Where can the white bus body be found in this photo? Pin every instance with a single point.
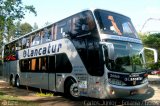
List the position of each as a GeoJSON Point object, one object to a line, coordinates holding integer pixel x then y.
{"type": "Point", "coordinates": [92, 53]}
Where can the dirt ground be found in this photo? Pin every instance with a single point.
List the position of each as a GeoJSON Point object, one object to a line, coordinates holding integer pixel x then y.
{"type": "Point", "coordinates": [151, 98]}
{"type": "Point", "coordinates": [31, 96]}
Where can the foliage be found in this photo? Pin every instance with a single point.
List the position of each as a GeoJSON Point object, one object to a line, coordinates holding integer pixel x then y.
{"type": "Point", "coordinates": [11, 10]}
{"type": "Point", "coordinates": [22, 29]}
{"type": "Point", "coordinates": [152, 41]}
{"type": "Point", "coordinates": [25, 28]}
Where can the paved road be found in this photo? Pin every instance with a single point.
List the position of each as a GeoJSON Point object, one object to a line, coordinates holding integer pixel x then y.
{"type": "Point", "coordinates": [152, 98]}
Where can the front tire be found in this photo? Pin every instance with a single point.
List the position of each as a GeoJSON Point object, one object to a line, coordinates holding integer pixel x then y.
{"type": "Point", "coordinates": [72, 90]}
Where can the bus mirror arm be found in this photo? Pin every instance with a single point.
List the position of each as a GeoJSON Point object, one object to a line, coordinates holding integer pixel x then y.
{"type": "Point", "coordinates": [110, 49]}
{"type": "Point", "coordinates": [154, 51]}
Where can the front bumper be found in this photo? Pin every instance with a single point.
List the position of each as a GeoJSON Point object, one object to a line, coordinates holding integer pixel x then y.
{"type": "Point", "coordinates": [114, 91]}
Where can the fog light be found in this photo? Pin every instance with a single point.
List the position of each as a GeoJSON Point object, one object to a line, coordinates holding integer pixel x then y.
{"type": "Point", "coordinates": [133, 92]}
{"type": "Point", "coordinates": [112, 92]}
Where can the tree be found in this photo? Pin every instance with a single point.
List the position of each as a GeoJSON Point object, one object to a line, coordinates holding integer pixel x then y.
{"type": "Point", "coordinates": [25, 28]}
{"type": "Point", "coordinates": [11, 10]}
{"type": "Point", "coordinates": [22, 29]}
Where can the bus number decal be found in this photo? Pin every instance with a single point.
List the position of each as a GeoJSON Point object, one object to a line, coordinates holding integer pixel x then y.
{"type": "Point", "coordinates": [83, 84]}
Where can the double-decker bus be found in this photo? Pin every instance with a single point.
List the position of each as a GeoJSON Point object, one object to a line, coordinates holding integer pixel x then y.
{"type": "Point", "coordinates": [94, 53]}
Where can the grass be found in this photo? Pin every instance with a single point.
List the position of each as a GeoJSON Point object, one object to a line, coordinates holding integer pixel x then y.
{"type": "Point", "coordinates": [44, 94]}
{"type": "Point", "coordinates": [6, 100]}
{"type": "Point", "coordinates": [41, 94]}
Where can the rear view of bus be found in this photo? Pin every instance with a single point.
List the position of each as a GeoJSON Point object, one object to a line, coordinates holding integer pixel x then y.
{"type": "Point", "coordinates": [123, 52]}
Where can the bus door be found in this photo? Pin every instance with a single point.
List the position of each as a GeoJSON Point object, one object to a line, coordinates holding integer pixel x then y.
{"type": "Point", "coordinates": [51, 73]}
{"type": "Point", "coordinates": [45, 78]}
{"type": "Point", "coordinates": [38, 77]}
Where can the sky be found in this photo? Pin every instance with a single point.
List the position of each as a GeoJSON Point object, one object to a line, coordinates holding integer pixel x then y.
{"type": "Point", "coordinates": [138, 10]}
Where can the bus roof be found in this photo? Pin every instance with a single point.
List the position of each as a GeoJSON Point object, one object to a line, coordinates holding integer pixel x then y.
{"type": "Point", "coordinates": [34, 31]}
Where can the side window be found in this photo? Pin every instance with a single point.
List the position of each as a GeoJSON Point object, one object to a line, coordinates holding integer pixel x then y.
{"type": "Point", "coordinates": [82, 23]}
{"type": "Point", "coordinates": [54, 32]}
{"type": "Point", "coordinates": [18, 45]}
{"type": "Point", "coordinates": [81, 47]}
{"type": "Point", "coordinates": [36, 39]}
{"type": "Point", "coordinates": [10, 52]}
{"type": "Point", "coordinates": [43, 64]}
{"type": "Point", "coordinates": [60, 29]}
{"type": "Point", "coordinates": [95, 65]}
{"type": "Point", "coordinates": [6, 52]}
{"type": "Point", "coordinates": [13, 51]}
{"type": "Point", "coordinates": [26, 42]}
{"type": "Point", "coordinates": [34, 65]}
{"type": "Point", "coordinates": [63, 64]}
{"type": "Point", "coordinates": [63, 28]}
{"type": "Point", "coordinates": [24, 65]}
{"type": "Point", "coordinates": [51, 68]}
{"type": "Point", "coordinates": [47, 35]}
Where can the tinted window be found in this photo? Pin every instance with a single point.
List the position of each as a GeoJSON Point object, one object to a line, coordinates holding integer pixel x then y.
{"type": "Point", "coordinates": [41, 64]}
{"type": "Point", "coordinates": [82, 24]}
{"type": "Point", "coordinates": [36, 39]}
{"type": "Point", "coordinates": [95, 60]}
{"type": "Point", "coordinates": [24, 65]}
{"type": "Point", "coordinates": [51, 64]}
{"type": "Point", "coordinates": [26, 42]}
{"type": "Point", "coordinates": [62, 29]}
{"type": "Point", "coordinates": [34, 65]}
{"type": "Point", "coordinates": [63, 64]}
{"type": "Point", "coordinates": [10, 53]}
{"type": "Point", "coordinates": [91, 54]}
{"type": "Point", "coordinates": [47, 35]}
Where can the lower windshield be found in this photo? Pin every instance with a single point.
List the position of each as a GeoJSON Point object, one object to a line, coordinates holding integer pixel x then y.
{"type": "Point", "coordinates": [127, 57]}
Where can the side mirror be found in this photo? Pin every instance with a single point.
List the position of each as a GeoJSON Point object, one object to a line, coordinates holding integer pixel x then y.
{"type": "Point", "coordinates": [150, 55]}
{"type": "Point", "coordinates": [110, 49]}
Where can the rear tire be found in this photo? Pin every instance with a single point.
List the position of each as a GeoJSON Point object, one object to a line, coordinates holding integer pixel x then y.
{"type": "Point", "coordinates": [17, 82]}
{"type": "Point", "coordinates": [71, 90]}
{"type": "Point", "coordinates": [11, 82]}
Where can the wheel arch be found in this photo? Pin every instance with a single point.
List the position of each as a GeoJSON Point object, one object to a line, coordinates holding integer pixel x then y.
{"type": "Point", "coordinates": [72, 78]}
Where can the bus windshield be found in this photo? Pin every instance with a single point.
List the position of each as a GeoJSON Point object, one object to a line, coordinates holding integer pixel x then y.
{"type": "Point", "coordinates": [127, 58]}
{"type": "Point", "coordinates": [115, 24]}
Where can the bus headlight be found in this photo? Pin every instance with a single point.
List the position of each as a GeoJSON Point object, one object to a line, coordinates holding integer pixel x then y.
{"type": "Point", "coordinates": [144, 81]}
{"type": "Point", "coordinates": [116, 82]}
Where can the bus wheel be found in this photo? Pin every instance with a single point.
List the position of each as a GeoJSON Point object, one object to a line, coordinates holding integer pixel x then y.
{"type": "Point", "coordinates": [17, 82]}
{"type": "Point", "coordinates": [11, 81]}
{"type": "Point", "coordinates": [71, 89]}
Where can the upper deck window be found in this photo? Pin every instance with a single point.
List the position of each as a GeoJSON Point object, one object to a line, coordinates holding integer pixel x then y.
{"type": "Point", "coordinates": [83, 23]}
{"type": "Point", "coordinates": [115, 24]}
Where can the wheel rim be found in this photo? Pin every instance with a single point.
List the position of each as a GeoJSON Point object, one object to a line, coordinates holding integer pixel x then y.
{"type": "Point", "coordinates": [74, 91]}
{"type": "Point", "coordinates": [17, 82]}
